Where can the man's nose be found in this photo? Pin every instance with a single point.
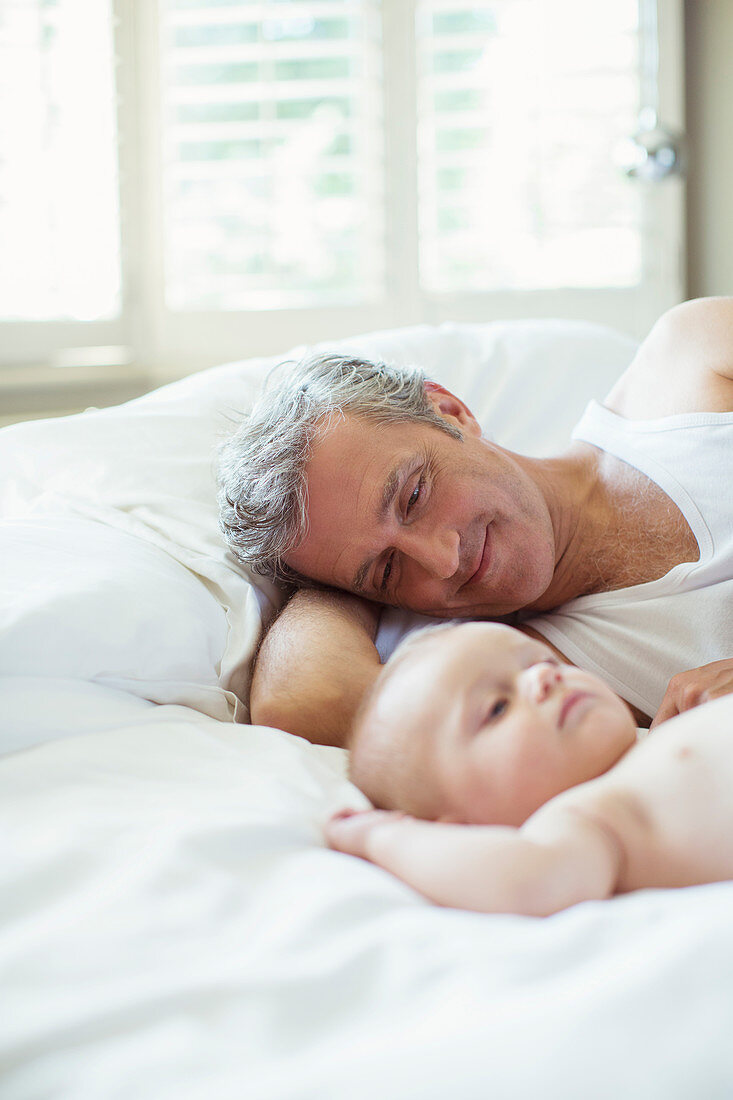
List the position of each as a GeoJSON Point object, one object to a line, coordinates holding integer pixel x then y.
{"type": "Point", "coordinates": [437, 551]}
{"type": "Point", "coordinates": [541, 679]}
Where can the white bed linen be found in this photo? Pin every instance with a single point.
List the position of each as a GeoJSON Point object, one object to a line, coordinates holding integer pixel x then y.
{"type": "Point", "coordinates": [172, 928]}
{"type": "Point", "coordinates": [82, 599]}
{"type": "Point", "coordinates": [170, 924]}
{"type": "Point", "coordinates": [146, 469]}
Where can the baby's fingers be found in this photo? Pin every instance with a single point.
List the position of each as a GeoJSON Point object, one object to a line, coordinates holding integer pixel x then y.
{"type": "Point", "coordinates": [351, 832]}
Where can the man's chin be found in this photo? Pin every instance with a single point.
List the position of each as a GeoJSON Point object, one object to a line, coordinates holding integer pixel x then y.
{"type": "Point", "coordinates": [486, 605]}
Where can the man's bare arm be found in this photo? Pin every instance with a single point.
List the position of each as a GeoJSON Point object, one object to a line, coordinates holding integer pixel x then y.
{"type": "Point", "coordinates": [702, 331]}
{"type": "Point", "coordinates": [315, 665]}
{"type": "Point", "coordinates": [684, 365]}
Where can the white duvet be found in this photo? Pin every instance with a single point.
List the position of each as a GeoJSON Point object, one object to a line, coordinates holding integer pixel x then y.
{"type": "Point", "coordinates": [171, 924]}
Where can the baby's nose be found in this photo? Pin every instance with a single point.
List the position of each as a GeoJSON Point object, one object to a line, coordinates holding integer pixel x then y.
{"type": "Point", "coordinates": [543, 678]}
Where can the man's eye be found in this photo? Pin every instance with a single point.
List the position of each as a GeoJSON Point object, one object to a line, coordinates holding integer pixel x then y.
{"type": "Point", "coordinates": [497, 710]}
{"type": "Point", "coordinates": [386, 574]}
{"type": "Point", "coordinates": [415, 496]}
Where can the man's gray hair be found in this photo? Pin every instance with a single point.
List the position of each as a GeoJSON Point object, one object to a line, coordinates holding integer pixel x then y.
{"type": "Point", "coordinates": [262, 484]}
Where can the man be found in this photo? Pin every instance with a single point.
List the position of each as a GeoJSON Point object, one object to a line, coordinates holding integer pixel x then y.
{"type": "Point", "coordinates": [379, 482]}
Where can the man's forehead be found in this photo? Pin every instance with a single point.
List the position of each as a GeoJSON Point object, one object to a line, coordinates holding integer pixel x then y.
{"type": "Point", "coordinates": [344, 483]}
{"type": "Point", "coordinates": [353, 475]}
{"type": "Point", "coordinates": [342, 455]}
{"type": "Point", "coordinates": [340, 425]}
{"type": "Point", "coordinates": [347, 449]}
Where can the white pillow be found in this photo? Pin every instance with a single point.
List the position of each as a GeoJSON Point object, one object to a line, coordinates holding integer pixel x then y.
{"type": "Point", "coordinates": [526, 382]}
{"type": "Point", "coordinates": [81, 600]}
{"type": "Point", "coordinates": [146, 470]}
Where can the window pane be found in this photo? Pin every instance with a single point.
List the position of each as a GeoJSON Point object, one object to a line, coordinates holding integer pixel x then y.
{"type": "Point", "coordinates": [521, 103]}
{"type": "Point", "coordinates": [59, 210]}
{"type": "Point", "coordinates": [272, 153]}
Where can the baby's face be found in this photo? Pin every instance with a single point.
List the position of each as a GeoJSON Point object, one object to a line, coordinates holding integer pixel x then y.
{"type": "Point", "coordinates": [499, 724]}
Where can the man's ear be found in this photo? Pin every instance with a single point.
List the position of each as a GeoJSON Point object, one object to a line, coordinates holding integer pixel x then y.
{"type": "Point", "coordinates": [451, 408]}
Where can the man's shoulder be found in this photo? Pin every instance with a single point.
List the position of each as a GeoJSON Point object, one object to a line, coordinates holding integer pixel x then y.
{"type": "Point", "coordinates": [684, 365]}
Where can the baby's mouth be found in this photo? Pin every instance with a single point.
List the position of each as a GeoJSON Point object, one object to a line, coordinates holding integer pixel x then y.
{"type": "Point", "coordinates": [569, 703]}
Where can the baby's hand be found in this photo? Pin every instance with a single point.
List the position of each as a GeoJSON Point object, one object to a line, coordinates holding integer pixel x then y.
{"type": "Point", "coordinates": [354, 831]}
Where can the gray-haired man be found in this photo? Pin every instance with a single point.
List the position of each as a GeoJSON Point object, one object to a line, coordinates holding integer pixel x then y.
{"type": "Point", "coordinates": [380, 483]}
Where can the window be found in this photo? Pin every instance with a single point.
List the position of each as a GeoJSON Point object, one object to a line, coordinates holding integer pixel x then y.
{"type": "Point", "coordinates": [519, 106]}
{"type": "Point", "coordinates": [59, 209]}
{"type": "Point", "coordinates": [273, 154]}
{"type": "Point", "coordinates": [200, 180]}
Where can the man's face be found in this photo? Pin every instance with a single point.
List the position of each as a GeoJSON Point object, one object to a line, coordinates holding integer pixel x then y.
{"type": "Point", "coordinates": [406, 515]}
{"type": "Point", "coordinates": [494, 725]}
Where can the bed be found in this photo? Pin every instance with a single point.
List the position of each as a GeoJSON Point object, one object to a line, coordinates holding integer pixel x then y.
{"type": "Point", "coordinates": [171, 923]}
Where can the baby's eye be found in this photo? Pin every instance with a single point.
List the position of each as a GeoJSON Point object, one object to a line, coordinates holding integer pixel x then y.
{"type": "Point", "coordinates": [497, 710]}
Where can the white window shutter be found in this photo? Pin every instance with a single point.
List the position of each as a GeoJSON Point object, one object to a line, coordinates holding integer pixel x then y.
{"type": "Point", "coordinates": [59, 208]}
{"type": "Point", "coordinates": [273, 154]}
{"type": "Point", "coordinates": [520, 105]}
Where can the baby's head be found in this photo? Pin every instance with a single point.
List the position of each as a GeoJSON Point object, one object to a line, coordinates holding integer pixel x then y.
{"type": "Point", "coordinates": [480, 723]}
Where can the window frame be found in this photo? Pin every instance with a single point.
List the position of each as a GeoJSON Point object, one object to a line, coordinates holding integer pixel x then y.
{"type": "Point", "coordinates": [168, 344]}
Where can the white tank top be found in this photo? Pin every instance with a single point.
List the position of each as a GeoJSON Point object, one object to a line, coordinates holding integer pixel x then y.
{"type": "Point", "coordinates": [637, 638]}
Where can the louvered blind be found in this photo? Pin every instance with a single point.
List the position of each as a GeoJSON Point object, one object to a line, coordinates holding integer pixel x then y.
{"type": "Point", "coordinates": [520, 105]}
{"type": "Point", "coordinates": [349, 164]}
{"type": "Point", "coordinates": [59, 210]}
{"type": "Point", "coordinates": [273, 159]}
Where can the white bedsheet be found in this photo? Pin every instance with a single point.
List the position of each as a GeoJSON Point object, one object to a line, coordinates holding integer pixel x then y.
{"type": "Point", "coordinates": [171, 925]}
{"type": "Point", "coordinates": [173, 928]}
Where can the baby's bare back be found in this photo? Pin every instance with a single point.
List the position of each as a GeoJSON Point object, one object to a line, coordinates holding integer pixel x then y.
{"type": "Point", "coordinates": [669, 802]}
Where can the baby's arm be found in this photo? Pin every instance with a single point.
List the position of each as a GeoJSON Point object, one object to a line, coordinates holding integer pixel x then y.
{"type": "Point", "coordinates": [662, 817]}
{"type": "Point", "coordinates": [535, 870]}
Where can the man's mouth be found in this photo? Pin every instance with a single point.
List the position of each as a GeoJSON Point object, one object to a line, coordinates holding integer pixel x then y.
{"type": "Point", "coordinates": [483, 561]}
{"type": "Point", "coordinates": [569, 703]}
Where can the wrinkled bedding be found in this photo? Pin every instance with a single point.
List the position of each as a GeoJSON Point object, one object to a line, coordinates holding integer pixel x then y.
{"type": "Point", "coordinates": [171, 924]}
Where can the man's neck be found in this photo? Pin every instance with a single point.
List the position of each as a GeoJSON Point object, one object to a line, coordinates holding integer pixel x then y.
{"type": "Point", "coordinates": [613, 527]}
{"type": "Point", "coordinates": [572, 488]}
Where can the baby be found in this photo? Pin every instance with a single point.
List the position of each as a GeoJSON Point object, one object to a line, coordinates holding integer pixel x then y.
{"type": "Point", "coordinates": [480, 724]}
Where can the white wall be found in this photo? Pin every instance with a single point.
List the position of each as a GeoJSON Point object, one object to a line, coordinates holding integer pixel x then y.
{"type": "Point", "coordinates": [709, 73]}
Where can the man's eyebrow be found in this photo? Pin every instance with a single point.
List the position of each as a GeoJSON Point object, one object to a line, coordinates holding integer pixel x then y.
{"type": "Point", "coordinates": [391, 487]}
{"type": "Point", "coordinates": [390, 491]}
